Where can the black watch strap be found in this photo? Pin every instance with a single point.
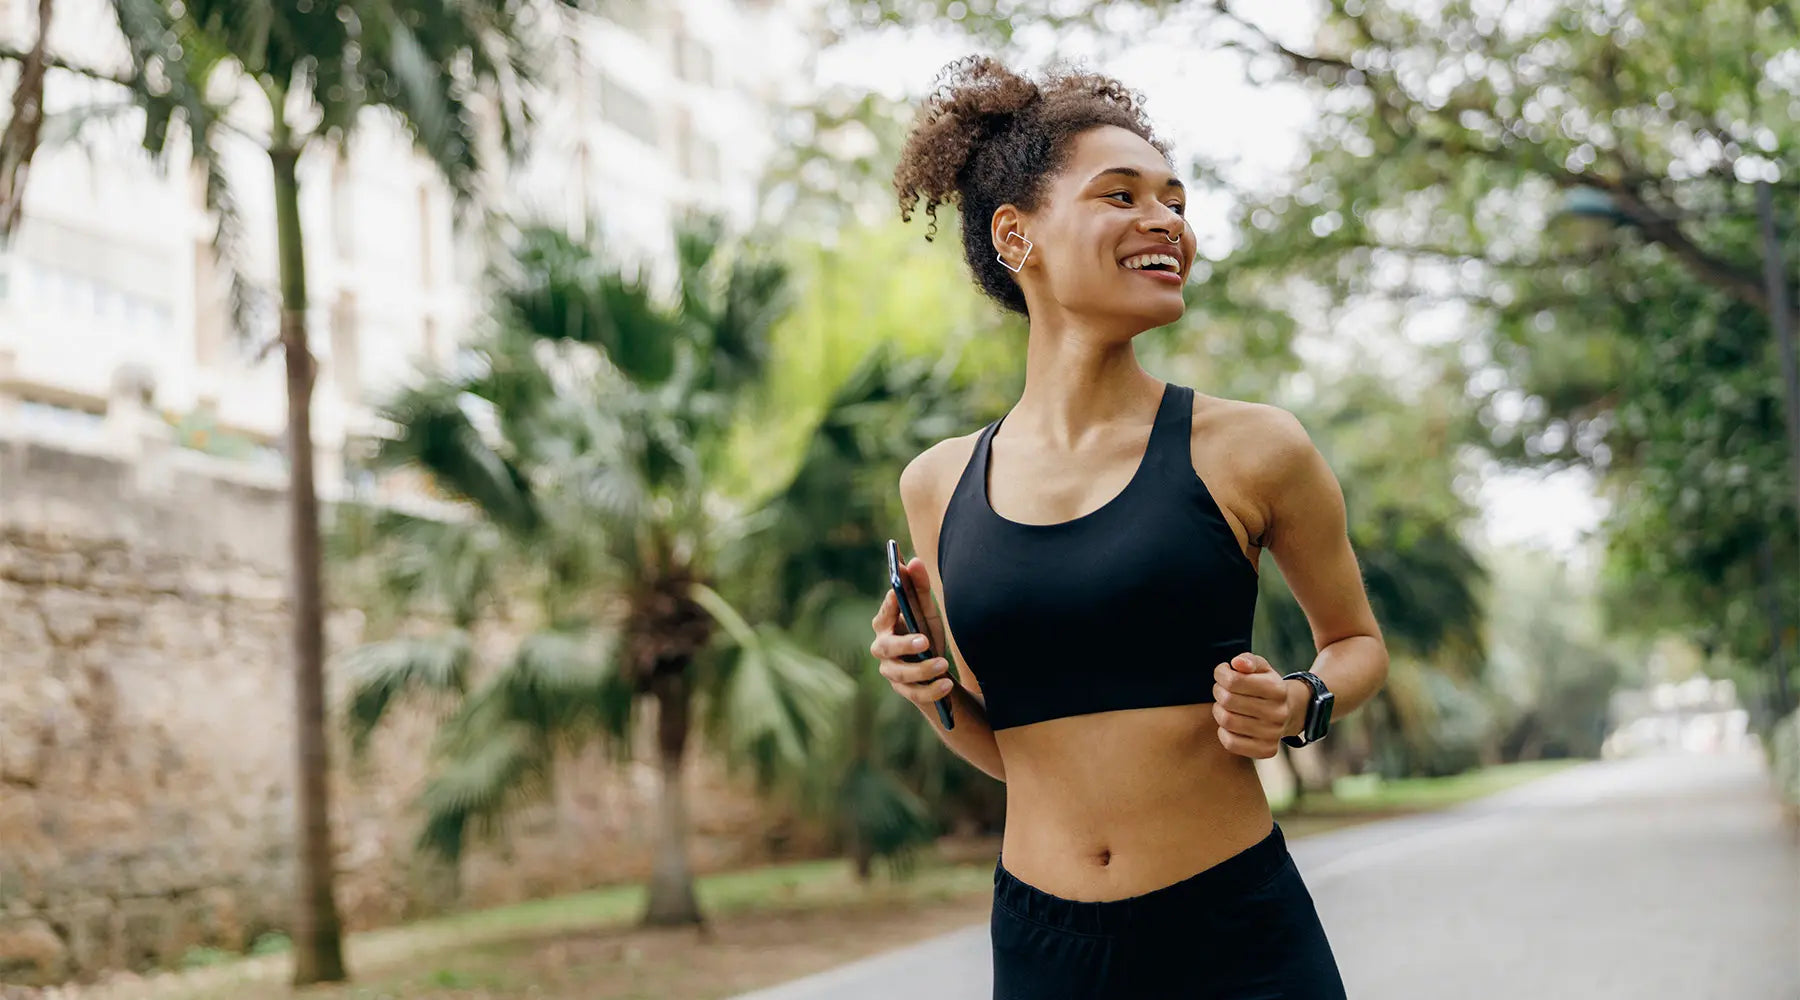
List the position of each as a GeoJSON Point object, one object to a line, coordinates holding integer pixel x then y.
{"type": "Point", "coordinates": [1318, 710]}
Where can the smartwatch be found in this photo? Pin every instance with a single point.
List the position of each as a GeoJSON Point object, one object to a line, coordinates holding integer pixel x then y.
{"type": "Point", "coordinates": [1318, 710]}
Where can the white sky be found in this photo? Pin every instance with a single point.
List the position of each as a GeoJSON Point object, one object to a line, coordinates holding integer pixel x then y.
{"type": "Point", "coordinates": [1202, 103]}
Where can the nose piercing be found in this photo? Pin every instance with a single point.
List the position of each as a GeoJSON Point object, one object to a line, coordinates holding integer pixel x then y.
{"type": "Point", "coordinates": [1175, 239]}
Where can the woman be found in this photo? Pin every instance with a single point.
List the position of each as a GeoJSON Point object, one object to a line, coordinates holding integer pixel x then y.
{"type": "Point", "coordinates": [1097, 551]}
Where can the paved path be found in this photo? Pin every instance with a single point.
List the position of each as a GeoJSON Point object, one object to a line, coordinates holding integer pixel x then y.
{"type": "Point", "coordinates": [1662, 878]}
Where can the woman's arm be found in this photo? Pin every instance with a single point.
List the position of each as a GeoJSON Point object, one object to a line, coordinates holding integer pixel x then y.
{"type": "Point", "coordinates": [925, 487]}
{"type": "Point", "coordinates": [1307, 534]}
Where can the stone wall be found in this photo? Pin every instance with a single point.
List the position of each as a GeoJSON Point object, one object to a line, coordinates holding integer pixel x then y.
{"type": "Point", "coordinates": [146, 739]}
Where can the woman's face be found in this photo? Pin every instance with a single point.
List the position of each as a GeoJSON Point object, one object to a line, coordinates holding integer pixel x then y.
{"type": "Point", "coordinates": [1114, 202]}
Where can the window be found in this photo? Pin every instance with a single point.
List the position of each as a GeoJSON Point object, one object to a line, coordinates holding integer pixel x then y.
{"type": "Point", "coordinates": [699, 155]}
{"type": "Point", "coordinates": [344, 355]}
{"type": "Point", "coordinates": [635, 16]}
{"type": "Point", "coordinates": [693, 60]}
{"type": "Point", "coordinates": [343, 210]}
{"type": "Point", "coordinates": [628, 110]}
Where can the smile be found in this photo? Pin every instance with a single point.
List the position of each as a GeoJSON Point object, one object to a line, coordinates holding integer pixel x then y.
{"type": "Point", "coordinates": [1160, 266]}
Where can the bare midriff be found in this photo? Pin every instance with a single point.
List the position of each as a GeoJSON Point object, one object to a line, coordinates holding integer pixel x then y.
{"type": "Point", "coordinates": [1116, 804]}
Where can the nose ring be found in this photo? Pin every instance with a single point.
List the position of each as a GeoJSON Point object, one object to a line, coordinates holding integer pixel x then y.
{"type": "Point", "coordinates": [1176, 239]}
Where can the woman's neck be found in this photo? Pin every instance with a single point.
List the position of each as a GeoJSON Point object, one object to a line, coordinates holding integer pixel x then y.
{"type": "Point", "coordinates": [1077, 380]}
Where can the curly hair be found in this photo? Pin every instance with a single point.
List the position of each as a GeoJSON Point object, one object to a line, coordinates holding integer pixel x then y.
{"type": "Point", "coordinates": [988, 137]}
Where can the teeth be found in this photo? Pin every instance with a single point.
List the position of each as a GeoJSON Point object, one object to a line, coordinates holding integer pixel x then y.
{"type": "Point", "coordinates": [1142, 261]}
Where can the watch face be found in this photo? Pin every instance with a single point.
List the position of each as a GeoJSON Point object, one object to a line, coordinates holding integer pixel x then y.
{"type": "Point", "coordinates": [1321, 716]}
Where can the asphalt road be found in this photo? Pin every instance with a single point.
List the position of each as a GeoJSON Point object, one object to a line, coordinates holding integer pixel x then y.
{"type": "Point", "coordinates": [1657, 878]}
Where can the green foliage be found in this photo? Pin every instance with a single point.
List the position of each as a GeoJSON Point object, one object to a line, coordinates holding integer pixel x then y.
{"type": "Point", "coordinates": [1784, 753]}
{"type": "Point", "coordinates": [887, 351]}
{"type": "Point", "coordinates": [1552, 668]}
{"type": "Point", "coordinates": [203, 956]}
{"type": "Point", "coordinates": [585, 466]}
{"type": "Point", "coordinates": [271, 943]}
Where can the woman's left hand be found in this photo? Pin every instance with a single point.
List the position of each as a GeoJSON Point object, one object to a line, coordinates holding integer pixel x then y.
{"type": "Point", "coordinates": [1251, 705]}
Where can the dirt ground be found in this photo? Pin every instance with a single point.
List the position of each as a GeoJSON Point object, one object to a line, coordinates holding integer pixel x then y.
{"type": "Point", "coordinates": [732, 955]}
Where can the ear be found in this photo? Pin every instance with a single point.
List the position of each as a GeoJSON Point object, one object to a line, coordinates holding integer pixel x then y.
{"type": "Point", "coordinates": [1008, 220]}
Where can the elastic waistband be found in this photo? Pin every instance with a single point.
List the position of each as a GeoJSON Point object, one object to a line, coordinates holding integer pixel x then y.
{"type": "Point", "coordinates": [1237, 874]}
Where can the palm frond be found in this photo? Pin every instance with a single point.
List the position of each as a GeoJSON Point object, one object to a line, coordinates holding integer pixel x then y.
{"type": "Point", "coordinates": [476, 788]}
{"type": "Point", "coordinates": [383, 672]}
{"type": "Point", "coordinates": [886, 816]}
{"type": "Point", "coordinates": [173, 65]}
{"type": "Point", "coordinates": [438, 437]}
{"type": "Point", "coordinates": [568, 685]}
{"type": "Point", "coordinates": [773, 700]}
{"type": "Point", "coordinates": [558, 290]}
{"type": "Point", "coordinates": [398, 563]}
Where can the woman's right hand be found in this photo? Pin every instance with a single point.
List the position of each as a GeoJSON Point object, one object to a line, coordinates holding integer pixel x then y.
{"type": "Point", "coordinates": [925, 682]}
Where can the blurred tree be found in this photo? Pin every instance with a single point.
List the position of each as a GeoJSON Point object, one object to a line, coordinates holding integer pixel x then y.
{"type": "Point", "coordinates": [585, 442]}
{"type": "Point", "coordinates": [883, 779]}
{"type": "Point", "coordinates": [835, 166]}
{"type": "Point", "coordinates": [25, 121]}
{"type": "Point", "coordinates": [888, 350]}
{"type": "Point", "coordinates": [1552, 666]}
{"type": "Point", "coordinates": [1463, 154]}
{"type": "Point", "coordinates": [315, 67]}
{"type": "Point", "coordinates": [1396, 453]}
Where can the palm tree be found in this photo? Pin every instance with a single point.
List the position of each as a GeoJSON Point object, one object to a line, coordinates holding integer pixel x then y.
{"type": "Point", "coordinates": [24, 127]}
{"type": "Point", "coordinates": [304, 72]}
{"type": "Point", "coordinates": [885, 780]}
{"type": "Point", "coordinates": [583, 444]}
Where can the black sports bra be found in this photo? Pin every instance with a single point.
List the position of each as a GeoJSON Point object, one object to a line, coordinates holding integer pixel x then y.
{"type": "Point", "coordinates": [1129, 606]}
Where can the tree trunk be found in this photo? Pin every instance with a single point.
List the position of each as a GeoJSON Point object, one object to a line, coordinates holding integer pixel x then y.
{"type": "Point", "coordinates": [318, 931]}
{"type": "Point", "coordinates": [19, 143]}
{"type": "Point", "coordinates": [862, 754]}
{"type": "Point", "coordinates": [1781, 699]}
{"type": "Point", "coordinates": [672, 900]}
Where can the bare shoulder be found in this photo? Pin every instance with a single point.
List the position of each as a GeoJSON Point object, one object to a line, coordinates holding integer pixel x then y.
{"type": "Point", "coordinates": [1261, 453]}
{"type": "Point", "coordinates": [1265, 437]}
{"type": "Point", "coordinates": [928, 480]}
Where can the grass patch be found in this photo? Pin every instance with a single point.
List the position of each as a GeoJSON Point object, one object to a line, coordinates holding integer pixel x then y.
{"type": "Point", "coordinates": [1369, 793]}
{"type": "Point", "coordinates": [824, 882]}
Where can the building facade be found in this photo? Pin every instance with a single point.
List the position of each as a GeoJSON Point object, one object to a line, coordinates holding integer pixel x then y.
{"type": "Point", "coordinates": [111, 286]}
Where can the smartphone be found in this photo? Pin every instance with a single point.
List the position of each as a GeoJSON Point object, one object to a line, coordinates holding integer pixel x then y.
{"type": "Point", "coordinates": [912, 622]}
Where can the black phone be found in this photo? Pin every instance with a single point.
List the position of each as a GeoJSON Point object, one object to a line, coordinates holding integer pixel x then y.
{"type": "Point", "coordinates": [912, 622]}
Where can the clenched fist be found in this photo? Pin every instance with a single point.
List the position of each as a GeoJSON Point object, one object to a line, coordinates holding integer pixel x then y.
{"type": "Point", "coordinates": [1253, 706]}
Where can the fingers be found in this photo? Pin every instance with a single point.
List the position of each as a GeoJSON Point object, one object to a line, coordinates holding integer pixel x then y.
{"type": "Point", "coordinates": [1252, 726]}
{"type": "Point", "coordinates": [1244, 746]}
{"type": "Point", "coordinates": [1250, 663]}
{"type": "Point", "coordinates": [1249, 725]}
{"type": "Point", "coordinates": [921, 584]}
{"type": "Point", "coordinates": [889, 646]}
{"type": "Point", "coordinates": [1263, 683]}
{"type": "Point", "coordinates": [920, 683]}
{"type": "Point", "coordinates": [921, 579]}
{"type": "Point", "coordinates": [924, 682]}
{"type": "Point", "coordinates": [885, 615]}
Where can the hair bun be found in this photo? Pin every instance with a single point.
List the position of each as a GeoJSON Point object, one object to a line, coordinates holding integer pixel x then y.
{"type": "Point", "coordinates": [972, 99]}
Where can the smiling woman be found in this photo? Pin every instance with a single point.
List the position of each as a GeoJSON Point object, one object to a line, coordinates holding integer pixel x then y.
{"type": "Point", "coordinates": [1097, 550]}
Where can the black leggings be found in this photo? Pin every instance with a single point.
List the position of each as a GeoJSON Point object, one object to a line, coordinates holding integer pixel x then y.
{"type": "Point", "coordinates": [1244, 929]}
